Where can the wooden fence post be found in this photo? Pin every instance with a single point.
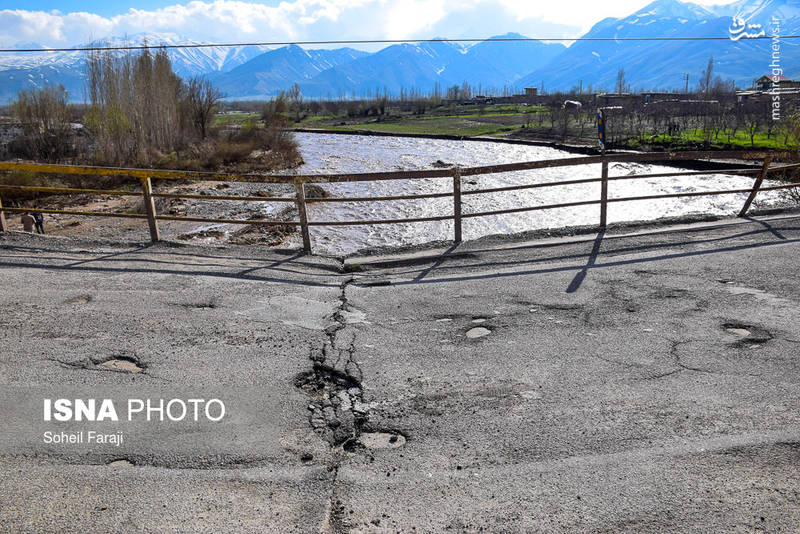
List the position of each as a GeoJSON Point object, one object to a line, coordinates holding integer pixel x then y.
{"type": "Point", "coordinates": [150, 208]}
{"type": "Point", "coordinates": [3, 226]}
{"type": "Point", "coordinates": [756, 186]}
{"type": "Point", "coordinates": [301, 207]}
{"type": "Point", "coordinates": [604, 196]}
{"type": "Point", "coordinates": [457, 204]}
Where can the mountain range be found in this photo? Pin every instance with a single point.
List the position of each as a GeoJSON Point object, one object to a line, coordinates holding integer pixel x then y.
{"type": "Point", "coordinates": [665, 64]}
{"type": "Point", "coordinates": [250, 72]}
{"type": "Point", "coordinates": [31, 70]}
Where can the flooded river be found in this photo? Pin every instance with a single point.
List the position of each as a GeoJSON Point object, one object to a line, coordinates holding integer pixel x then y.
{"type": "Point", "coordinates": [325, 153]}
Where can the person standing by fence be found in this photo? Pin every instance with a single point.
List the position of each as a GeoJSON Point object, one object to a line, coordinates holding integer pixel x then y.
{"type": "Point", "coordinates": [39, 219]}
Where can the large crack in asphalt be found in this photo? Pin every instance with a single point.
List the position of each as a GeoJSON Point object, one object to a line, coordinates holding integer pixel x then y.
{"type": "Point", "coordinates": [337, 411]}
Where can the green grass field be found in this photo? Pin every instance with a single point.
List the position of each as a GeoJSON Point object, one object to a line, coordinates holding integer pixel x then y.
{"type": "Point", "coordinates": [235, 117]}
{"type": "Point", "coordinates": [502, 119]}
{"type": "Point", "coordinates": [439, 126]}
{"type": "Point", "coordinates": [741, 140]}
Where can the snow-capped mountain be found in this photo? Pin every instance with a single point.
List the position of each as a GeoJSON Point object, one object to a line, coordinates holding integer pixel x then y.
{"type": "Point", "coordinates": [31, 70]}
{"type": "Point", "coordinates": [197, 60]}
{"type": "Point", "coordinates": [276, 70]}
{"type": "Point", "coordinates": [665, 64]}
{"type": "Point", "coordinates": [424, 66]}
{"type": "Point", "coordinates": [406, 65]}
{"type": "Point", "coordinates": [255, 72]}
{"type": "Point", "coordinates": [250, 72]}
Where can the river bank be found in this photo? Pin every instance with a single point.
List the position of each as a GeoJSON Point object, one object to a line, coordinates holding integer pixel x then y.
{"type": "Point", "coordinates": [587, 149]}
{"type": "Point", "coordinates": [627, 129]}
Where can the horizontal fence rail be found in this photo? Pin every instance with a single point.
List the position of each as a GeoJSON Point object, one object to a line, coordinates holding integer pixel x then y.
{"type": "Point", "coordinates": [456, 174]}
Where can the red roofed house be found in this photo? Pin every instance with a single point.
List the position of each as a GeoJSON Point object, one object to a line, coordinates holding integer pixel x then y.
{"type": "Point", "coordinates": [765, 83]}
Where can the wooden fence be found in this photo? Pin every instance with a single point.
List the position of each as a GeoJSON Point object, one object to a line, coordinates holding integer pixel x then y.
{"type": "Point", "coordinates": [146, 176]}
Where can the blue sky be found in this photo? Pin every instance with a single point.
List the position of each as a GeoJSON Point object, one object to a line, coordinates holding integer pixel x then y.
{"type": "Point", "coordinates": [71, 22]}
{"type": "Point", "coordinates": [105, 9]}
{"type": "Point", "coordinates": [68, 6]}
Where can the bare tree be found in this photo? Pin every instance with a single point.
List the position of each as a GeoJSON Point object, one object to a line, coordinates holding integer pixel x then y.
{"type": "Point", "coordinates": [466, 90]}
{"type": "Point", "coordinates": [620, 81]}
{"type": "Point", "coordinates": [453, 93]}
{"type": "Point", "coordinates": [202, 99]}
{"type": "Point", "coordinates": [137, 106]}
{"type": "Point", "coordinates": [753, 116]}
{"type": "Point", "coordinates": [706, 77]}
{"type": "Point", "coordinates": [296, 100]}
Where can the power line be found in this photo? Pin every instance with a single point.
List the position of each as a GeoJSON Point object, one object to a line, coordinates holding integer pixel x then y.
{"type": "Point", "coordinates": [386, 41]}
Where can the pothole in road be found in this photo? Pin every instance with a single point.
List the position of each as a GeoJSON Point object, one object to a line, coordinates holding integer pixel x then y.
{"type": "Point", "coordinates": [198, 305]}
{"type": "Point", "coordinates": [337, 411]}
{"type": "Point", "coordinates": [759, 294]}
{"type": "Point", "coordinates": [121, 364]}
{"type": "Point", "coordinates": [743, 332]}
{"type": "Point", "coordinates": [120, 463]}
{"type": "Point", "coordinates": [382, 440]}
{"type": "Point", "coordinates": [750, 335]}
{"type": "Point", "coordinates": [478, 332]}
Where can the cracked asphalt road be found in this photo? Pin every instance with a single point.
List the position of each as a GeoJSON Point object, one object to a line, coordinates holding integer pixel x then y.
{"type": "Point", "coordinates": [622, 383]}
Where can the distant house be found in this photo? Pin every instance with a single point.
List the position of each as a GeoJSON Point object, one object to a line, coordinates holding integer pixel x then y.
{"type": "Point", "coordinates": [767, 86]}
{"type": "Point", "coordinates": [779, 83]}
{"type": "Point", "coordinates": [617, 99]}
{"type": "Point", "coordinates": [653, 97]}
{"type": "Point", "coordinates": [531, 91]}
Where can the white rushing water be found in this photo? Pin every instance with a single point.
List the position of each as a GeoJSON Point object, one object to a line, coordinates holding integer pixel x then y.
{"type": "Point", "coordinates": [325, 153]}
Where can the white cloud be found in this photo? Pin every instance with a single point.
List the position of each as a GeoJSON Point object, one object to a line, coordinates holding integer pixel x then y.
{"type": "Point", "coordinates": [235, 20]}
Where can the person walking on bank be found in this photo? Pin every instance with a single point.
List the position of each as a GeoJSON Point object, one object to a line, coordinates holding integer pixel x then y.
{"type": "Point", "coordinates": [27, 222]}
{"type": "Point", "coordinates": [39, 218]}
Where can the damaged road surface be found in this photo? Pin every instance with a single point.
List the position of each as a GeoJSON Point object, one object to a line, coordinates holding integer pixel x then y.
{"type": "Point", "coordinates": [639, 383]}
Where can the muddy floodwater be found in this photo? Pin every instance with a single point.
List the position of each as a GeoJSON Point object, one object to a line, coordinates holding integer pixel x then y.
{"type": "Point", "coordinates": [326, 153]}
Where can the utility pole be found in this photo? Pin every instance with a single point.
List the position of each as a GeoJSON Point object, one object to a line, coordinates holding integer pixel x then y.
{"type": "Point", "coordinates": [687, 84]}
